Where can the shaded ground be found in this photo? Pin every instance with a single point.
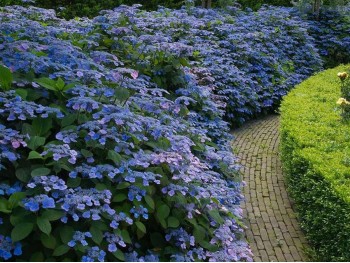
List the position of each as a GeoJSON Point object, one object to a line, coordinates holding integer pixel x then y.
{"type": "Point", "coordinates": [273, 230]}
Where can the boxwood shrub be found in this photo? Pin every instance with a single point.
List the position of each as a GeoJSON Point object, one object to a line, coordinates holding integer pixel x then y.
{"type": "Point", "coordinates": [316, 158]}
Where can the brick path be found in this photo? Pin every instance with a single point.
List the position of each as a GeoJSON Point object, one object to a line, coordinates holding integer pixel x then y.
{"type": "Point", "coordinates": [273, 230]}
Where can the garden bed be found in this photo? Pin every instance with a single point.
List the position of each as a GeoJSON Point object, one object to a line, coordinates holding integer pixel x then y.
{"type": "Point", "coordinates": [315, 152]}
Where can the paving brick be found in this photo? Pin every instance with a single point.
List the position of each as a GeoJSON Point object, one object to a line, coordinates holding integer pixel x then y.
{"type": "Point", "coordinates": [273, 230]}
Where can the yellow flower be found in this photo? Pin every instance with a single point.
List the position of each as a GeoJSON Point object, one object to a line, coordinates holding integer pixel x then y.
{"type": "Point", "coordinates": [342, 75]}
{"type": "Point", "coordinates": [342, 101]}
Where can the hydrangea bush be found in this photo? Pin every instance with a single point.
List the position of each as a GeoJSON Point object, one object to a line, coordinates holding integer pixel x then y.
{"type": "Point", "coordinates": [112, 133]}
{"type": "Point", "coordinates": [104, 157]}
{"type": "Point", "coordinates": [251, 71]}
{"type": "Point", "coordinates": [331, 33]}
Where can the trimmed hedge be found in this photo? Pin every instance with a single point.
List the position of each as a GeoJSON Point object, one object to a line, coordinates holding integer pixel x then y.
{"type": "Point", "coordinates": [315, 152]}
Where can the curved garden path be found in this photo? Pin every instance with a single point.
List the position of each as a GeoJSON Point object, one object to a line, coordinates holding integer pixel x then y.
{"type": "Point", "coordinates": [273, 230]}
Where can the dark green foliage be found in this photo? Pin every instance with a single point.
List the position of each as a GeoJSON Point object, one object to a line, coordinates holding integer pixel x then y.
{"type": "Point", "coordinates": [256, 4]}
{"type": "Point", "coordinates": [315, 160]}
{"type": "Point", "coordinates": [90, 8]}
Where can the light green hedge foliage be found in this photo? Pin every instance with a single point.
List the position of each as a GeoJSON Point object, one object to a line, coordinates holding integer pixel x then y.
{"type": "Point", "coordinates": [316, 156]}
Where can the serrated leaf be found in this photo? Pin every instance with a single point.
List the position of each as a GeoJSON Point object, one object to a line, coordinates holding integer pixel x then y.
{"type": "Point", "coordinates": [21, 231]}
{"type": "Point", "coordinates": [61, 250]}
{"type": "Point", "coordinates": [141, 227]}
{"type": "Point", "coordinates": [34, 155]}
{"type": "Point", "coordinates": [44, 225]}
{"type": "Point", "coordinates": [40, 172]}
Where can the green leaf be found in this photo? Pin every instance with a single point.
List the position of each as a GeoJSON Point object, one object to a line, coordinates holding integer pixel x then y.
{"type": "Point", "coordinates": [163, 211]}
{"type": "Point", "coordinates": [100, 225]}
{"type": "Point", "coordinates": [216, 216]}
{"type": "Point", "coordinates": [126, 237]}
{"type": "Point", "coordinates": [47, 83]}
{"type": "Point", "coordinates": [37, 257]}
{"type": "Point", "coordinates": [123, 185]}
{"type": "Point", "coordinates": [149, 201]}
{"type": "Point", "coordinates": [122, 94]}
{"type": "Point", "coordinates": [173, 222]}
{"type": "Point", "coordinates": [161, 143]}
{"type": "Point", "coordinates": [19, 215]}
{"type": "Point", "coordinates": [114, 156]}
{"type": "Point", "coordinates": [21, 231]}
{"type": "Point", "coordinates": [61, 250]}
{"type": "Point", "coordinates": [6, 78]}
{"type": "Point", "coordinates": [40, 172]}
{"type": "Point", "coordinates": [48, 241]}
{"type": "Point", "coordinates": [23, 174]}
{"type": "Point", "coordinates": [207, 245]}
{"type": "Point", "coordinates": [52, 215]}
{"type": "Point", "coordinates": [44, 225]}
{"type": "Point", "coordinates": [119, 198]}
{"type": "Point", "coordinates": [34, 155]}
{"type": "Point", "coordinates": [41, 126]}
{"type": "Point", "coordinates": [60, 84]}
{"type": "Point", "coordinates": [119, 255]}
{"type": "Point", "coordinates": [68, 120]}
{"type": "Point", "coordinates": [22, 93]}
{"type": "Point", "coordinates": [73, 182]}
{"type": "Point", "coordinates": [97, 235]}
{"type": "Point", "coordinates": [36, 142]}
{"type": "Point", "coordinates": [86, 153]}
{"type": "Point", "coordinates": [163, 223]}
{"type": "Point", "coordinates": [66, 234]}
{"type": "Point", "coordinates": [4, 206]}
{"type": "Point", "coordinates": [199, 233]}
{"type": "Point", "coordinates": [15, 198]}
{"type": "Point", "coordinates": [141, 227]}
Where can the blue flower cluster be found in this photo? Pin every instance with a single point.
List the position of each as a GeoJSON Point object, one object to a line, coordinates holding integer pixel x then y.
{"type": "Point", "coordinates": [8, 248]}
{"type": "Point", "coordinates": [331, 33]}
{"type": "Point", "coordinates": [115, 127]}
